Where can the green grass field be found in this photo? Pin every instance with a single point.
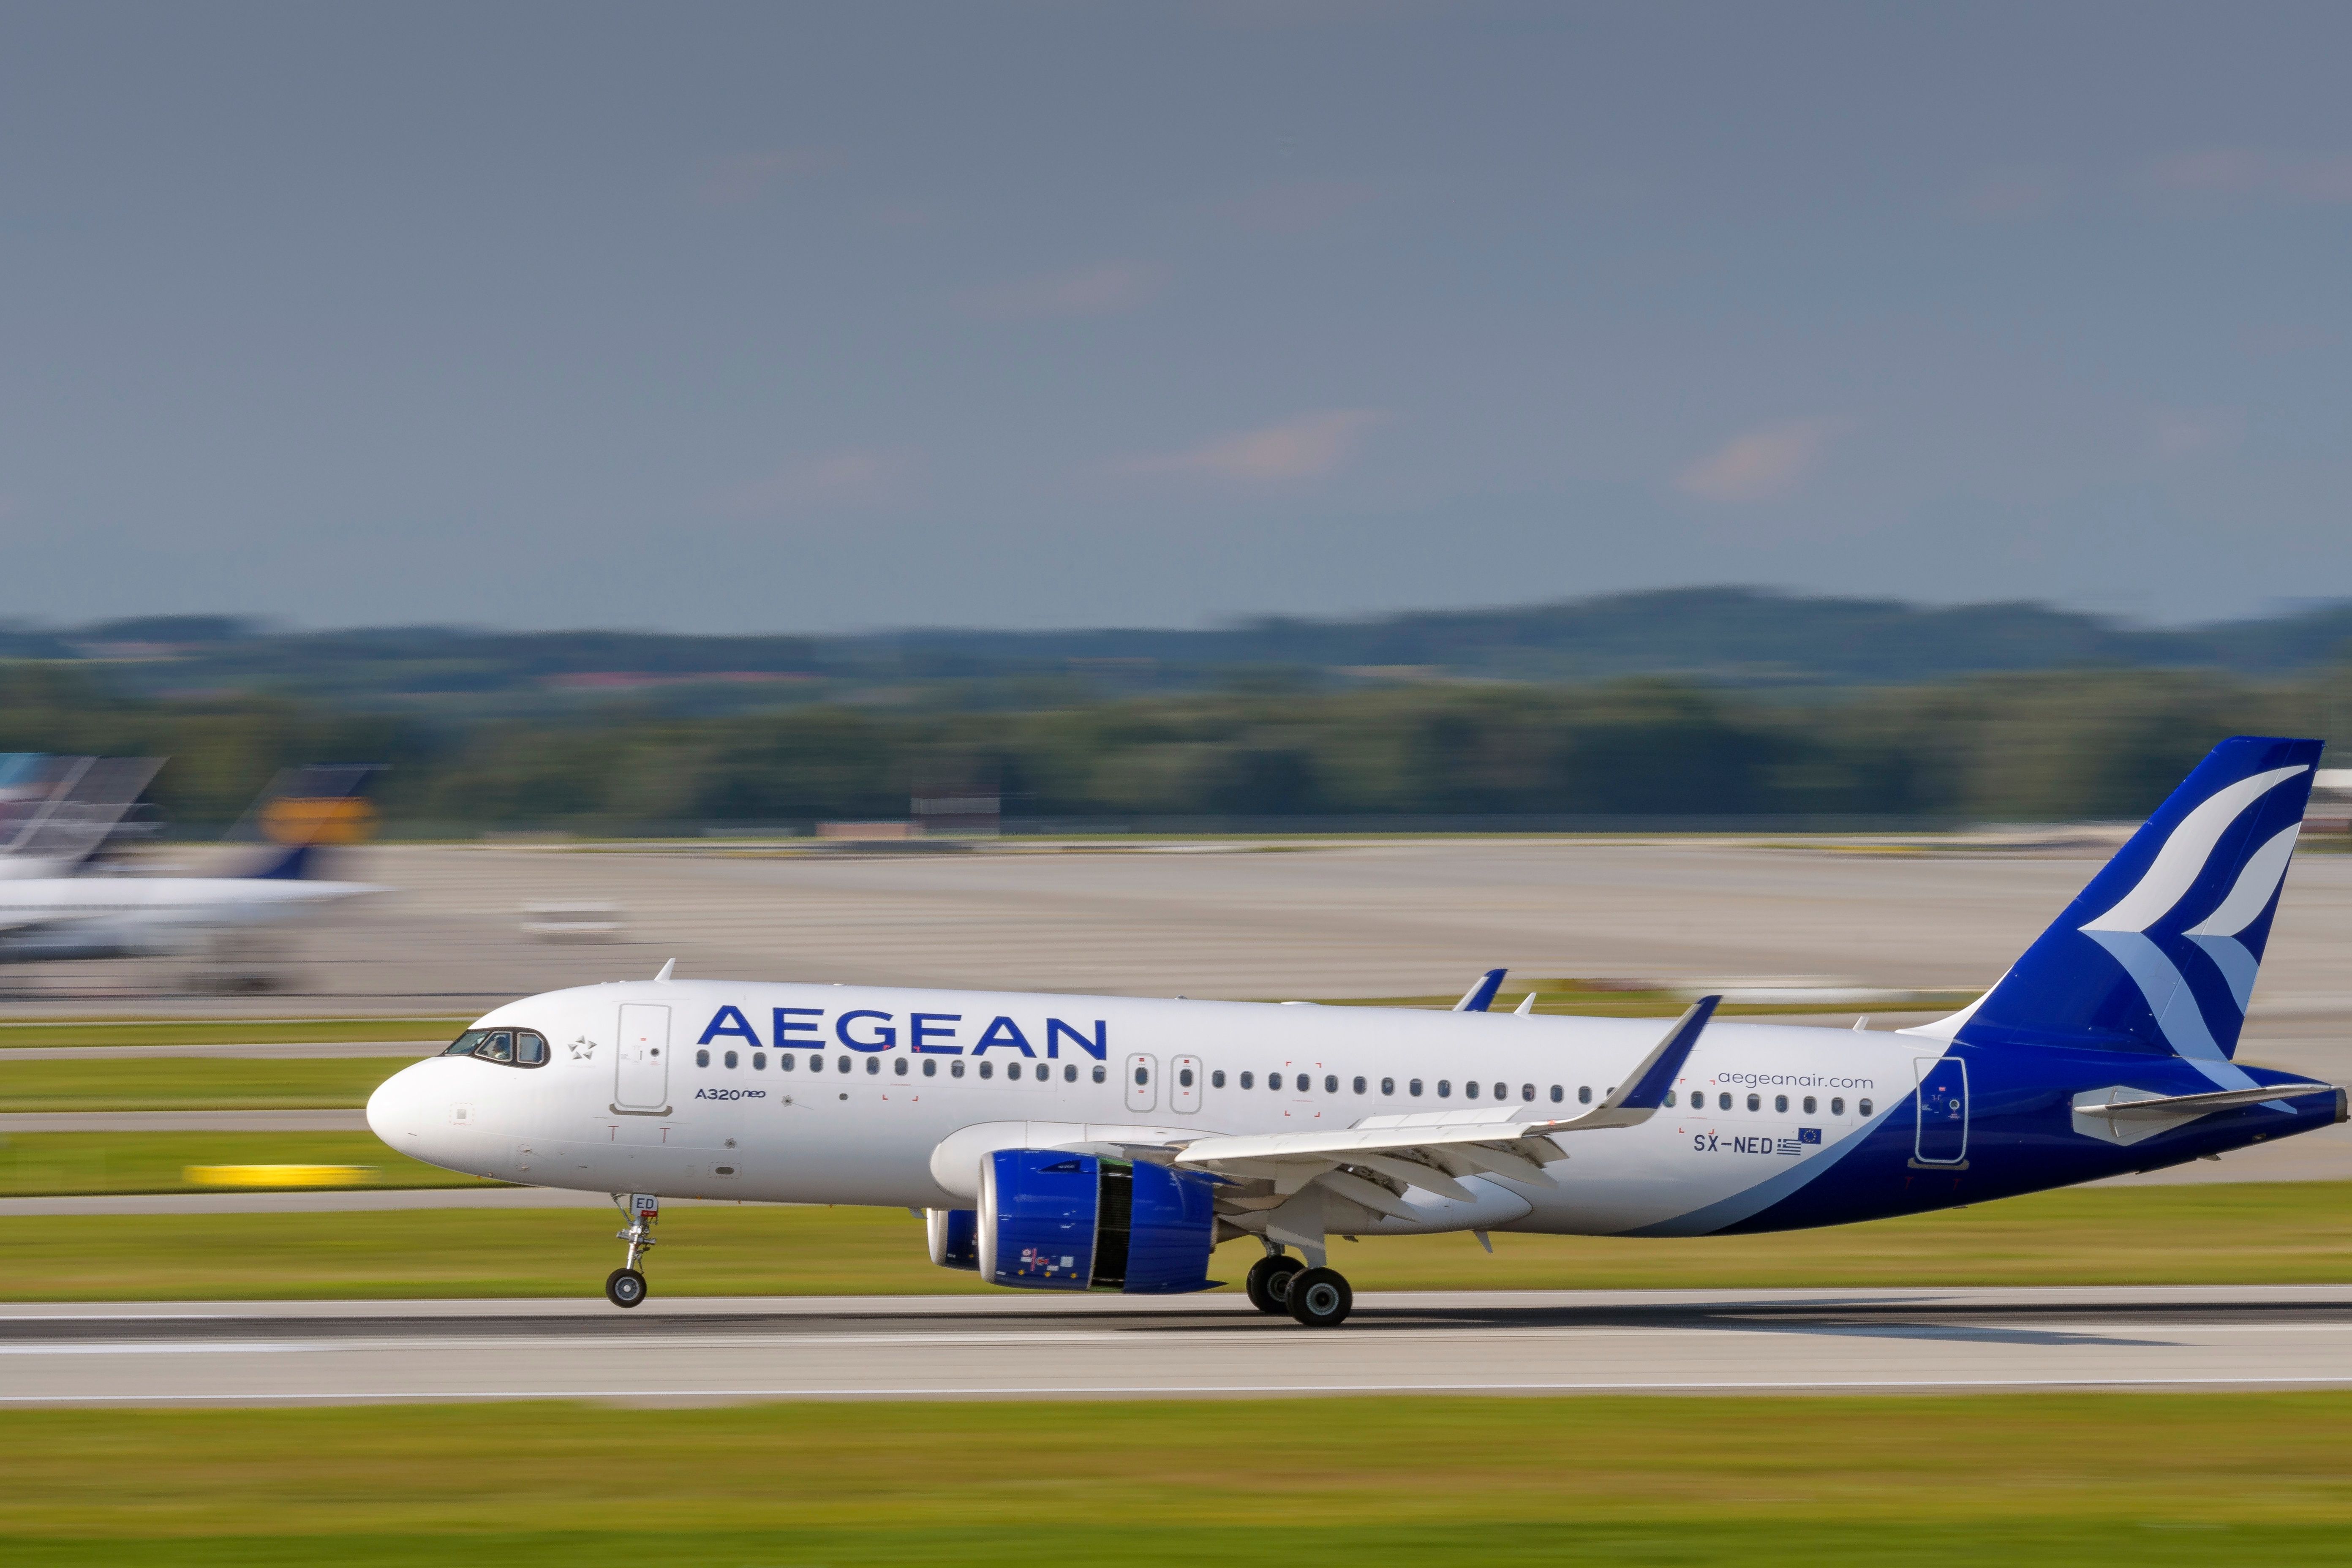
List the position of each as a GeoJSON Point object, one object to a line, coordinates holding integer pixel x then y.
{"type": "Point", "coordinates": [2147, 1480]}
{"type": "Point", "coordinates": [193, 1083]}
{"type": "Point", "coordinates": [43, 1163]}
{"type": "Point", "coordinates": [2298, 1232]}
{"type": "Point", "coordinates": [221, 1031]}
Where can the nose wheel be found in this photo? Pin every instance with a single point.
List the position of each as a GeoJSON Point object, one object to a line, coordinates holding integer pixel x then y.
{"type": "Point", "coordinates": [626, 1285]}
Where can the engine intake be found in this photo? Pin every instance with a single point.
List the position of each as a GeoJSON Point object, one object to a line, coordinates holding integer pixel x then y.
{"type": "Point", "coordinates": [1056, 1221]}
{"type": "Point", "coordinates": [954, 1236]}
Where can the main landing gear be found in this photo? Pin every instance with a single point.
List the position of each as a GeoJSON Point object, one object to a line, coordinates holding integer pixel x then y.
{"type": "Point", "coordinates": [626, 1285]}
{"type": "Point", "coordinates": [1318, 1298]}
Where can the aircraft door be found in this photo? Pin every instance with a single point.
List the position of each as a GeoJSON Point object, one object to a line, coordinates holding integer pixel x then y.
{"type": "Point", "coordinates": [1943, 1107]}
{"type": "Point", "coordinates": [1142, 1088]}
{"type": "Point", "coordinates": [641, 1066]}
{"type": "Point", "coordinates": [1184, 1083]}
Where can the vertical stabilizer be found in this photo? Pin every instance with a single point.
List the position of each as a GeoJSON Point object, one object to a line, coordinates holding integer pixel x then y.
{"type": "Point", "coordinates": [2160, 953]}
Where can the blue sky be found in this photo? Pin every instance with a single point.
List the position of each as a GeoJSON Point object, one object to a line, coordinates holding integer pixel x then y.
{"type": "Point", "coordinates": [769, 318]}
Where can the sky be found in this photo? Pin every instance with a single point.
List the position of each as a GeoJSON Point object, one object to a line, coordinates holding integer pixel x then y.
{"type": "Point", "coordinates": [759, 317]}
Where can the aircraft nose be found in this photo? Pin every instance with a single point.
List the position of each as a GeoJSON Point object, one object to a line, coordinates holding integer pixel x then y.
{"type": "Point", "coordinates": [396, 1112]}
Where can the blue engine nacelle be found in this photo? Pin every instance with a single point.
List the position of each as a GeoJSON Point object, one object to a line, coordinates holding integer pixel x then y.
{"type": "Point", "coordinates": [1051, 1221]}
{"type": "Point", "coordinates": [954, 1236]}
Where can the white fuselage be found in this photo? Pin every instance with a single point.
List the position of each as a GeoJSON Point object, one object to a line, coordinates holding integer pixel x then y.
{"type": "Point", "coordinates": [150, 914]}
{"type": "Point", "coordinates": [892, 1096]}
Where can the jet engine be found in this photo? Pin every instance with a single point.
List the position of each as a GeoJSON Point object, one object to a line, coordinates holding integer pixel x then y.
{"type": "Point", "coordinates": [954, 1236]}
{"type": "Point", "coordinates": [1056, 1221]}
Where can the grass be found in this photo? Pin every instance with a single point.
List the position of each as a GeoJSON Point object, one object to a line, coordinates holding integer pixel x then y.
{"type": "Point", "coordinates": [194, 1083]}
{"type": "Point", "coordinates": [2293, 1232]}
{"type": "Point", "coordinates": [45, 1163]}
{"type": "Point", "coordinates": [48, 1032]}
{"type": "Point", "coordinates": [2152, 1479]}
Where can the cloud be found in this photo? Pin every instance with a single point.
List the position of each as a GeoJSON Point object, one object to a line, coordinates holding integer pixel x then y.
{"type": "Point", "coordinates": [1103, 290]}
{"type": "Point", "coordinates": [2324, 179]}
{"type": "Point", "coordinates": [746, 178]}
{"type": "Point", "coordinates": [1298, 208]}
{"type": "Point", "coordinates": [1301, 448]}
{"type": "Point", "coordinates": [852, 480]}
{"type": "Point", "coordinates": [1767, 461]}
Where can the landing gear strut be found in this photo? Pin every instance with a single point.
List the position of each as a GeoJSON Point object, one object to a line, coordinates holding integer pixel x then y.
{"type": "Point", "coordinates": [626, 1285]}
{"type": "Point", "coordinates": [1269, 1283]}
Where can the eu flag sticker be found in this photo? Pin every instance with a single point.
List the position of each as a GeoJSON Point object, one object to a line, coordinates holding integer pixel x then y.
{"type": "Point", "coordinates": [1808, 1134]}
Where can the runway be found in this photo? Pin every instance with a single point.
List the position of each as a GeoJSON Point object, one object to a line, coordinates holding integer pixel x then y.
{"type": "Point", "coordinates": [721, 1350]}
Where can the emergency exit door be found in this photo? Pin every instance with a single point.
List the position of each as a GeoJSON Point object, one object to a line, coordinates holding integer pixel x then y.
{"type": "Point", "coordinates": [1142, 1091]}
{"type": "Point", "coordinates": [1943, 1102]}
{"type": "Point", "coordinates": [641, 1067]}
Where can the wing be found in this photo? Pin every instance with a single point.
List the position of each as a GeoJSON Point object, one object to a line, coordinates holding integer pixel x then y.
{"type": "Point", "coordinates": [1374, 1161]}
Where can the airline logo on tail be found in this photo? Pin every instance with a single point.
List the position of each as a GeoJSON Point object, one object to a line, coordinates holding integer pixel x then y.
{"type": "Point", "coordinates": [2179, 868]}
{"type": "Point", "coordinates": [2177, 921]}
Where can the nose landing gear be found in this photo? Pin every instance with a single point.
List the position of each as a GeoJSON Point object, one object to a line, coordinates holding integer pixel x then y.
{"type": "Point", "coordinates": [626, 1285]}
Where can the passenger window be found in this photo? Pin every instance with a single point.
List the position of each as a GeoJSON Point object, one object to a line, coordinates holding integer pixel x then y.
{"type": "Point", "coordinates": [1143, 1075]}
{"type": "Point", "coordinates": [1330, 1083]}
{"type": "Point", "coordinates": [1359, 1086]}
{"type": "Point", "coordinates": [1502, 1091]}
{"type": "Point", "coordinates": [1184, 1077]}
{"type": "Point", "coordinates": [1527, 1091]}
{"type": "Point", "coordinates": [758, 1061]}
{"type": "Point", "coordinates": [931, 1066]}
{"type": "Point", "coordinates": [1862, 1106]}
{"type": "Point", "coordinates": [1470, 1091]}
{"type": "Point", "coordinates": [1810, 1102]}
{"type": "Point", "coordinates": [1755, 1102]}
{"type": "Point", "coordinates": [1247, 1080]}
{"type": "Point", "coordinates": [1837, 1105]}
{"type": "Point", "coordinates": [529, 1049]}
{"type": "Point", "coordinates": [1723, 1103]}
{"type": "Point", "coordinates": [1559, 1094]}
{"type": "Point", "coordinates": [1216, 1079]}
{"type": "Point", "coordinates": [1273, 1080]}
{"type": "Point", "coordinates": [1012, 1070]}
{"type": "Point", "coordinates": [1670, 1098]}
{"type": "Point", "coordinates": [987, 1068]}
{"type": "Point", "coordinates": [1780, 1103]}
{"type": "Point", "coordinates": [1445, 1088]}
{"type": "Point", "coordinates": [786, 1061]}
{"type": "Point", "coordinates": [873, 1066]}
{"type": "Point", "coordinates": [1414, 1088]}
{"type": "Point", "coordinates": [1387, 1087]}
{"type": "Point", "coordinates": [702, 1058]}
{"type": "Point", "coordinates": [955, 1070]}
{"type": "Point", "coordinates": [1583, 1094]}
{"type": "Point", "coordinates": [898, 1067]}
{"type": "Point", "coordinates": [1070, 1072]}
{"type": "Point", "coordinates": [844, 1064]}
{"type": "Point", "coordinates": [1101, 1073]}
{"type": "Point", "coordinates": [730, 1059]}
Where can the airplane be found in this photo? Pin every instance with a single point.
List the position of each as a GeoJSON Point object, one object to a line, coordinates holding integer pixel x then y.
{"type": "Point", "coordinates": [1072, 1142]}
{"type": "Point", "coordinates": [45, 917]}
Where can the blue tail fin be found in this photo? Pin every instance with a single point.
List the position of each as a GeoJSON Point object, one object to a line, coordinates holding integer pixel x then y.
{"type": "Point", "coordinates": [2160, 953]}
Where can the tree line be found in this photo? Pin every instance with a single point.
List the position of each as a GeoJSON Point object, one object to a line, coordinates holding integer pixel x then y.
{"type": "Point", "coordinates": [2034, 747]}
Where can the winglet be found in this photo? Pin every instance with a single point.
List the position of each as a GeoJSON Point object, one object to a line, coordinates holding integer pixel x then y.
{"type": "Point", "coordinates": [1526, 1005]}
{"type": "Point", "coordinates": [665, 970]}
{"type": "Point", "coordinates": [1638, 1098]}
{"type": "Point", "coordinates": [1481, 996]}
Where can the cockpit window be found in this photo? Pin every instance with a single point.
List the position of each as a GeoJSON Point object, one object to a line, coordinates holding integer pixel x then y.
{"type": "Point", "coordinates": [523, 1047]}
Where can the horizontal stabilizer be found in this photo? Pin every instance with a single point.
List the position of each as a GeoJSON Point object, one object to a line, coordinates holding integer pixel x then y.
{"type": "Point", "coordinates": [2192, 1104]}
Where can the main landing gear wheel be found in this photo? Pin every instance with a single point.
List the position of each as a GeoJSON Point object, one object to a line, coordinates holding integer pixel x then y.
{"type": "Point", "coordinates": [1269, 1283]}
{"type": "Point", "coordinates": [626, 1288]}
{"type": "Point", "coordinates": [1320, 1298]}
